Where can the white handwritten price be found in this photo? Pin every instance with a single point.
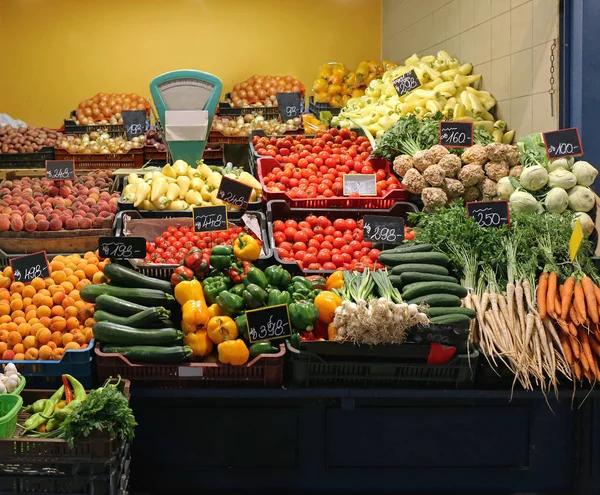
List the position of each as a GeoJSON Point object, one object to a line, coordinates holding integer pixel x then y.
{"type": "Point", "coordinates": [272, 330]}
{"type": "Point", "coordinates": [406, 83]}
{"type": "Point", "coordinates": [58, 173]}
{"type": "Point", "coordinates": [561, 149]}
{"type": "Point", "coordinates": [29, 273]}
{"type": "Point", "coordinates": [453, 136]}
{"type": "Point", "coordinates": [381, 234]}
{"type": "Point", "coordinates": [117, 250]}
{"type": "Point", "coordinates": [209, 221]}
{"type": "Point", "coordinates": [135, 130]}
{"type": "Point", "coordinates": [486, 219]}
{"type": "Point", "coordinates": [291, 111]}
{"type": "Point", "coordinates": [232, 199]}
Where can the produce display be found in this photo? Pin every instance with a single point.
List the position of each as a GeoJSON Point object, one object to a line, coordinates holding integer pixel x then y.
{"type": "Point", "coordinates": [26, 139]}
{"type": "Point", "coordinates": [32, 204]}
{"type": "Point", "coordinates": [261, 91]}
{"type": "Point", "coordinates": [249, 122]}
{"type": "Point", "coordinates": [99, 143]}
{"type": "Point", "coordinates": [106, 108]}
{"type": "Point", "coordinates": [180, 186]}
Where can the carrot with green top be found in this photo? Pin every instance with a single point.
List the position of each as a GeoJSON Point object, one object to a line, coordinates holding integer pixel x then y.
{"type": "Point", "coordinates": [551, 296]}
{"type": "Point", "coordinates": [542, 294]}
{"type": "Point", "coordinates": [566, 297]}
{"type": "Point", "coordinates": [579, 301]}
{"type": "Point", "coordinates": [590, 298]}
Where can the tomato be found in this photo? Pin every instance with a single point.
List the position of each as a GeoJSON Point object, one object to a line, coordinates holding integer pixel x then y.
{"type": "Point", "coordinates": [326, 245]}
{"type": "Point", "coordinates": [346, 257]}
{"type": "Point", "coordinates": [300, 237]}
{"type": "Point", "coordinates": [324, 221]}
{"type": "Point", "coordinates": [279, 237]}
{"type": "Point", "coordinates": [290, 232]}
{"type": "Point", "coordinates": [348, 237]}
{"type": "Point", "coordinates": [177, 244]}
{"type": "Point", "coordinates": [323, 256]}
{"type": "Point", "coordinates": [337, 260]}
{"type": "Point", "coordinates": [357, 255]}
{"type": "Point", "coordinates": [286, 245]}
{"type": "Point", "coordinates": [308, 233]}
{"type": "Point", "coordinates": [338, 242]}
{"type": "Point", "coordinates": [367, 169]}
{"type": "Point", "coordinates": [329, 230]}
{"type": "Point", "coordinates": [314, 243]}
{"type": "Point", "coordinates": [329, 266]}
{"type": "Point", "coordinates": [299, 246]}
{"type": "Point", "coordinates": [409, 235]}
{"type": "Point", "coordinates": [300, 255]}
{"type": "Point", "coordinates": [346, 249]}
{"type": "Point", "coordinates": [172, 229]}
{"type": "Point", "coordinates": [314, 266]}
{"type": "Point", "coordinates": [356, 245]}
{"type": "Point", "coordinates": [374, 254]}
{"type": "Point", "coordinates": [312, 250]}
{"type": "Point", "coordinates": [350, 224]}
{"type": "Point", "coordinates": [340, 224]}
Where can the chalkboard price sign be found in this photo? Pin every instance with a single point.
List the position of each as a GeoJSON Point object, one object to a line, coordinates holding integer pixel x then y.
{"type": "Point", "coordinates": [270, 323]}
{"type": "Point", "coordinates": [135, 123]}
{"type": "Point", "coordinates": [456, 134]}
{"type": "Point", "coordinates": [361, 184]}
{"type": "Point", "coordinates": [234, 192]}
{"type": "Point", "coordinates": [122, 247]}
{"type": "Point", "coordinates": [60, 169]}
{"type": "Point", "coordinates": [388, 230]}
{"type": "Point", "coordinates": [564, 142]}
{"type": "Point", "coordinates": [489, 213]}
{"type": "Point", "coordinates": [406, 83]}
{"type": "Point", "coordinates": [26, 268]}
{"type": "Point", "coordinates": [290, 105]}
{"type": "Point", "coordinates": [210, 218]}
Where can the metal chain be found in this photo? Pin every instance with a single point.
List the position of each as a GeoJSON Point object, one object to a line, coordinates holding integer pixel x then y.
{"type": "Point", "coordinates": [551, 91]}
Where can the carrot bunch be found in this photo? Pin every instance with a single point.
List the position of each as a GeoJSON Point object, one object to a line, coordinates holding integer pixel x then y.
{"type": "Point", "coordinates": [575, 306]}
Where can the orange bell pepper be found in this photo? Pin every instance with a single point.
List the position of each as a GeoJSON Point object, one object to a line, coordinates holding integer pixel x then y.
{"type": "Point", "coordinates": [327, 302]}
{"type": "Point", "coordinates": [335, 280]}
{"type": "Point", "coordinates": [221, 328]}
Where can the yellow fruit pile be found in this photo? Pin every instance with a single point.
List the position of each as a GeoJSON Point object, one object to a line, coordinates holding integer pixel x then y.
{"type": "Point", "coordinates": [46, 317]}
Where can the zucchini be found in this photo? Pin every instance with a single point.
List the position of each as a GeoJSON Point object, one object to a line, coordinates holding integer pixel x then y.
{"type": "Point", "coordinates": [119, 307]}
{"type": "Point", "coordinates": [423, 288]}
{"type": "Point", "coordinates": [149, 318]}
{"type": "Point", "coordinates": [151, 354]}
{"type": "Point", "coordinates": [151, 297]}
{"type": "Point", "coordinates": [433, 312]}
{"type": "Point", "coordinates": [410, 247]}
{"type": "Point", "coordinates": [455, 319]}
{"type": "Point", "coordinates": [420, 268]}
{"type": "Point", "coordinates": [394, 259]}
{"type": "Point", "coordinates": [414, 277]}
{"type": "Point", "coordinates": [438, 300]}
{"type": "Point", "coordinates": [126, 277]}
{"type": "Point", "coordinates": [113, 333]}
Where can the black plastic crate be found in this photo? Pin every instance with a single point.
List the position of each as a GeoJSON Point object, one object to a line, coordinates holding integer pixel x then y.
{"type": "Point", "coordinates": [226, 110]}
{"type": "Point", "coordinates": [316, 108]}
{"type": "Point", "coordinates": [113, 130]}
{"type": "Point", "coordinates": [280, 210]}
{"type": "Point", "coordinates": [27, 160]}
{"type": "Point", "coordinates": [309, 369]}
{"type": "Point", "coordinates": [163, 271]}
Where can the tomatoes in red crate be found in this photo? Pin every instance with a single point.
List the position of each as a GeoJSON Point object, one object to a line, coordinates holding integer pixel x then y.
{"type": "Point", "coordinates": [314, 167]}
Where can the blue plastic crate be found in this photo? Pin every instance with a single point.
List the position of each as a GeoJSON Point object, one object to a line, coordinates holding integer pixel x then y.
{"type": "Point", "coordinates": [48, 374]}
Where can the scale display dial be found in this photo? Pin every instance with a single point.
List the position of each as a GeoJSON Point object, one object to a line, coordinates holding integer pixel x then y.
{"type": "Point", "coordinates": [186, 94]}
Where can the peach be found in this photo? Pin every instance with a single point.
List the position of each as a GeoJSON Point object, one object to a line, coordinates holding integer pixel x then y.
{"type": "Point", "coordinates": [71, 224]}
{"type": "Point", "coordinates": [43, 225]}
{"type": "Point", "coordinates": [85, 223]}
{"type": "Point", "coordinates": [4, 224]}
{"type": "Point", "coordinates": [8, 355]}
{"type": "Point", "coordinates": [56, 224]}
{"type": "Point", "coordinates": [16, 224]}
{"type": "Point", "coordinates": [30, 225]}
{"type": "Point", "coordinates": [98, 222]}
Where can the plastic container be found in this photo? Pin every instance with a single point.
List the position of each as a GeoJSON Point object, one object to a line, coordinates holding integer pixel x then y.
{"type": "Point", "coordinates": [48, 374]}
{"type": "Point", "coordinates": [316, 107]}
{"type": "Point", "coordinates": [113, 131]}
{"type": "Point", "coordinates": [154, 156]}
{"type": "Point", "coordinates": [281, 210]}
{"type": "Point", "coordinates": [163, 271]}
{"type": "Point", "coordinates": [26, 160]}
{"type": "Point", "coordinates": [226, 110]}
{"type": "Point", "coordinates": [264, 371]}
{"type": "Point", "coordinates": [134, 158]}
{"type": "Point", "coordinates": [309, 369]}
{"type": "Point", "coordinates": [10, 405]}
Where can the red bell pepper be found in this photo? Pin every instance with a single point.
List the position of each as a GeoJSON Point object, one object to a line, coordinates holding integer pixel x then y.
{"type": "Point", "coordinates": [197, 261]}
{"type": "Point", "coordinates": [181, 274]}
{"type": "Point", "coordinates": [238, 271]}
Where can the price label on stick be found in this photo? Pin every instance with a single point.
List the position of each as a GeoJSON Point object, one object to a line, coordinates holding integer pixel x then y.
{"type": "Point", "coordinates": [135, 123]}
{"type": "Point", "coordinates": [60, 169]}
{"type": "Point", "coordinates": [361, 184]}
{"type": "Point", "coordinates": [406, 83]}
{"type": "Point", "coordinates": [234, 192]}
{"type": "Point", "coordinates": [270, 323]}
{"type": "Point", "coordinates": [489, 213]}
{"type": "Point", "coordinates": [456, 134]}
{"type": "Point", "coordinates": [389, 230]}
{"type": "Point", "coordinates": [290, 105]}
{"type": "Point", "coordinates": [210, 218]}
{"type": "Point", "coordinates": [122, 247]}
{"type": "Point", "coordinates": [575, 240]}
{"type": "Point", "coordinates": [26, 268]}
{"type": "Point", "coordinates": [561, 143]}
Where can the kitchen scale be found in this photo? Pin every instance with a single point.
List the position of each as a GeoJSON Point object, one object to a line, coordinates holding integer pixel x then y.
{"type": "Point", "coordinates": [186, 101]}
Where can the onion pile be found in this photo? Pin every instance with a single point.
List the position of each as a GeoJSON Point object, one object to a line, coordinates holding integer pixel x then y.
{"type": "Point", "coordinates": [261, 91]}
{"type": "Point", "coordinates": [99, 143]}
{"type": "Point", "coordinates": [26, 139]}
{"type": "Point", "coordinates": [246, 123]}
{"type": "Point", "coordinates": [106, 108]}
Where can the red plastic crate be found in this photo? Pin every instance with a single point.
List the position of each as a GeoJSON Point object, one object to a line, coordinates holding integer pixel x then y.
{"type": "Point", "coordinates": [266, 164]}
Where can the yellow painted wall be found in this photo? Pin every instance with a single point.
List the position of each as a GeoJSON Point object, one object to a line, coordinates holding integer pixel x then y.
{"type": "Point", "coordinates": [69, 50]}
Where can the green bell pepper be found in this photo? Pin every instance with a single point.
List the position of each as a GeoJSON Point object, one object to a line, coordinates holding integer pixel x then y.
{"type": "Point", "coordinates": [229, 303]}
{"type": "Point", "coordinates": [302, 283]}
{"type": "Point", "coordinates": [257, 277]}
{"type": "Point", "coordinates": [242, 326]}
{"type": "Point", "coordinates": [277, 276]}
{"type": "Point", "coordinates": [212, 287]}
{"type": "Point", "coordinates": [237, 289]}
{"type": "Point", "coordinates": [262, 348]}
{"type": "Point", "coordinates": [303, 316]}
{"type": "Point", "coordinates": [221, 257]}
{"type": "Point", "coordinates": [277, 296]}
{"type": "Point", "coordinates": [255, 296]}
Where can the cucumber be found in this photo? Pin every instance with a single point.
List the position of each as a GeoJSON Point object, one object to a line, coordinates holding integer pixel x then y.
{"type": "Point", "coordinates": [420, 268]}
{"type": "Point", "coordinates": [149, 318]}
{"type": "Point", "coordinates": [122, 276]}
{"type": "Point", "coordinates": [410, 247]}
{"type": "Point", "coordinates": [151, 297]}
{"type": "Point", "coordinates": [438, 300]}
{"type": "Point", "coordinates": [394, 259]}
{"type": "Point", "coordinates": [433, 312]}
{"type": "Point", "coordinates": [119, 307]}
{"type": "Point", "coordinates": [414, 277]}
{"type": "Point", "coordinates": [456, 319]}
{"type": "Point", "coordinates": [113, 333]}
{"type": "Point", "coordinates": [151, 354]}
{"type": "Point", "coordinates": [423, 288]}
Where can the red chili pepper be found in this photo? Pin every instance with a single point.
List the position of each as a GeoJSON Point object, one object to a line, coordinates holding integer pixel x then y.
{"type": "Point", "coordinates": [68, 391]}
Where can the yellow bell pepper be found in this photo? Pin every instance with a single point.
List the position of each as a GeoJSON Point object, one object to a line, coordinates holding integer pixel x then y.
{"type": "Point", "coordinates": [335, 280]}
{"type": "Point", "coordinates": [246, 248]}
{"type": "Point", "coordinates": [199, 342]}
{"type": "Point", "coordinates": [331, 331]}
{"type": "Point", "coordinates": [221, 328]}
{"type": "Point", "coordinates": [214, 310]}
{"type": "Point", "coordinates": [233, 352]}
{"type": "Point", "coordinates": [189, 290]}
{"type": "Point", "coordinates": [327, 302]}
{"type": "Point", "coordinates": [188, 328]}
{"type": "Point", "coordinates": [195, 313]}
